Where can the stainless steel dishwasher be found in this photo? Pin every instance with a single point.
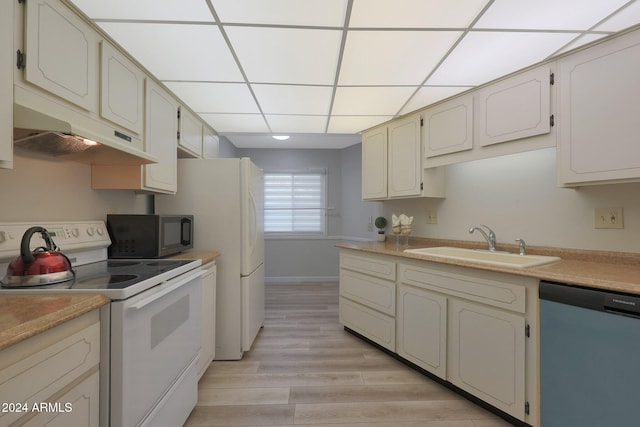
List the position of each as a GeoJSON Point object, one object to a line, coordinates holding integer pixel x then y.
{"type": "Point", "coordinates": [589, 357]}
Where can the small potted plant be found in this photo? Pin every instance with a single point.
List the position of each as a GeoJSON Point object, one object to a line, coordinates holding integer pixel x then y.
{"type": "Point", "coordinates": [381, 224]}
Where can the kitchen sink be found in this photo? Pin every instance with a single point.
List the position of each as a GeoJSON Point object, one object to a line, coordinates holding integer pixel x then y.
{"type": "Point", "coordinates": [503, 259]}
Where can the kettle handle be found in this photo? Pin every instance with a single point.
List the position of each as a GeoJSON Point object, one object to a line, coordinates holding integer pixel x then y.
{"type": "Point", "coordinates": [25, 252]}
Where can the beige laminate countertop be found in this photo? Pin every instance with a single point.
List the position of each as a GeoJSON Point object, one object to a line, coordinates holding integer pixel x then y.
{"type": "Point", "coordinates": [614, 271]}
{"type": "Point", "coordinates": [25, 315]}
{"type": "Point", "coordinates": [205, 256]}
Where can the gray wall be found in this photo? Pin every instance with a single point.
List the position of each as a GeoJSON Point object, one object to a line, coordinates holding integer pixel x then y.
{"type": "Point", "coordinates": [316, 259]}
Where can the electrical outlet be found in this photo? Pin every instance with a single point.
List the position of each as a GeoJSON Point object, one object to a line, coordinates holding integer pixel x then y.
{"type": "Point", "coordinates": [432, 217]}
{"type": "Point", "coordinates": [370, 225]}
{"type": "Point", "coordinates": [609, 218]}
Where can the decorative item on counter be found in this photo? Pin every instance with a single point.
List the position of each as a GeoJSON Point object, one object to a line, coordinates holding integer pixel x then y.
{"type": "Point", "coordinates": [401, 227]}
{"type": "Point", "coordinates": [381, 224]}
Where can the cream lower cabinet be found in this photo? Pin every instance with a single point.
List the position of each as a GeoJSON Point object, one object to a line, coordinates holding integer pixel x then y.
{"type": "Point", "coordinates": [53, 378]}
{"type": "Point", "coordinates": [207, 351]}
{"type": "Point", "coordinates": [422, 328]}
{"type": "Point", "coordinates": [368, 298]}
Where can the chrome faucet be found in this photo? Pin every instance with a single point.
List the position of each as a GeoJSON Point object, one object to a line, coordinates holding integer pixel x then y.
{"type": "Point", "coordinates": [491, 238]}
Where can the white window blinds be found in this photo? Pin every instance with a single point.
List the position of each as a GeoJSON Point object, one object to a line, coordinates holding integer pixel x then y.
{"type": "Point", "coordinates": [294, 202]}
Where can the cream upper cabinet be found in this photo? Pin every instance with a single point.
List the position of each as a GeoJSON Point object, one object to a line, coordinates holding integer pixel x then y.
{"type": "Point", "coordinates": [190, 136]}
{"type": "Point", "coordinates": [422, 328]}
{"type": "Point", "coordinates": [374, 164]}
{"type": "Point", "coordinates": [160, 139]}
{"type": "Point", "coordinates": [487, 355]}
{"type": "Point", "coordinates": [404, 157]}
{"type": "Point", "coordinates": [210, 143]}
{"type": "Point", "coordinates": [514, 108]}
{"type": "Point", "coordinates": [6, 84]}
{"type": "Point", "coordinates": [121, 90]}
{"type": "Point", "coordinates": [600, 113]}
{"type": "Point", "coordinates": [62, 53]}
{"type": "Point", "coordinates": [448, 127]}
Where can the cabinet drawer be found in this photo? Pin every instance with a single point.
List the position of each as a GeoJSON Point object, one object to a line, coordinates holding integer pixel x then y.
{"type": "Point", "coordinates": [374, 325]}
{"type": "Point", "coordinates": [370, 291]}
{"type": "Point", "coordinates": [369, 265]}
{"type": "Point", "coordinates": [495, 289]}
{"type": "Point", "coordinates": [36, 376]}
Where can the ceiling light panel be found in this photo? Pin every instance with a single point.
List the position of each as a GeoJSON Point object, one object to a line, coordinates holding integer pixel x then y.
{"type": "Point", "coordinates": [627, 17]}
{"type": "Point", "coordinates": [393, 57]}
{"type": "Point", "coordinates": [180, 52]}
{"type": "Point", "coordinates": [547, 14]}
{"type": "Point", "coordinates": [215, 97]}
{"type": "Point", "coordinates": [166, 10]}
{"type": "Point", "coordinates": [296, 124]}
{"type": "Point", "coordinates": [354, 124]}
{"type": "Point", "coordinates": [370, 101]}
{"type": "Point", "coordinates": [430, 95]}
{"type": "Point", "coordinates": [232, 122]}
{"type": "Point", "coordinates": [288, 99]}
{"type": "Point", "coordinates": [329, 13]}
{"type": "Point", "coordinates": [484, 56]}
{"type": "Point", "coordinates": [293, 56]}
{"type": "Point", "coordinates": [415, 13]}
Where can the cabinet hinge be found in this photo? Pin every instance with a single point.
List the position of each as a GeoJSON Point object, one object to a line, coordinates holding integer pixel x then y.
{"type": "Point", "coordinates": [527, 331]}
{"type": "Point", "coordinates": [552, 78]}
{"type": "Point", "coordinates": [421, 186]}
{"type": "Point", "coordinates": [178, 113]}
{"type": "Point", "coordinates": [21, 1]}
{"type": "Point", "coordinates": [178, 135]}
{"type": "Point", "coordinates": [526, 408]}
{"type": "Point", "coordinates": [552, 120]}
{"type": "Point", "coordinates": [421, 122]}
{"type": "Point", "coordinates": [21, 60]}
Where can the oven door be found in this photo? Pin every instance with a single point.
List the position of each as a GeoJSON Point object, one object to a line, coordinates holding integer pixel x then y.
{"type": "Point", "coordinates": [155, 337]}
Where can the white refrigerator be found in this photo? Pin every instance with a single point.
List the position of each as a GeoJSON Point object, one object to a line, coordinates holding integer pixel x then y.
{"type": "Point", "coordinates": [226, 197]}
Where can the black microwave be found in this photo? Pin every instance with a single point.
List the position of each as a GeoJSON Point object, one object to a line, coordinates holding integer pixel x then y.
{"type": "Point", "coordinates": [149, 236]}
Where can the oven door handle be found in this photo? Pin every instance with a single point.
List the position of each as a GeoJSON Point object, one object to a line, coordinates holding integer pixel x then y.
{"type": "Point", "coordinates": [164, 290]}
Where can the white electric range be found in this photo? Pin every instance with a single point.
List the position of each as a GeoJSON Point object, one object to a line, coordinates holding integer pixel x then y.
{"type": "Point", "coordinates": [153, 331]}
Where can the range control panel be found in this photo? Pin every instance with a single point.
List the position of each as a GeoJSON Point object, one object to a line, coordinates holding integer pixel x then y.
{"type": "Point", "coordinates": [69, 236]}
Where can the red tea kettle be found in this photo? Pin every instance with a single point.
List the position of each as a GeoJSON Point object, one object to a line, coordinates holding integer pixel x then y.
{"type": "Point", "coordinates": [43, 266]}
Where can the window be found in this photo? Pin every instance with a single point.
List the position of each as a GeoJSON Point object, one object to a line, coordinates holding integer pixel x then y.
{"type": "Point", "coordinates": [294, 202]}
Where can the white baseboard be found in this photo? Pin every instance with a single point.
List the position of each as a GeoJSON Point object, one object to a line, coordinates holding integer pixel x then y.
{"type": "Point", "coordinates": [300, 279]}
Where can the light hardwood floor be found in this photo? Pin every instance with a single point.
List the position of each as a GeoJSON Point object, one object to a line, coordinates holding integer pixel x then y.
{"type": "Point", "coordinates": [304, 369]}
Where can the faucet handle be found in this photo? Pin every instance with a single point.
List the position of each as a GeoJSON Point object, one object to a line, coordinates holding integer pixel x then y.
{"type": "Point", "coordinates": [523, 246]}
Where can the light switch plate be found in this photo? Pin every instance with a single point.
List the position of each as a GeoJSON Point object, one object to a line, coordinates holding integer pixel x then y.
{"type": "Point", "coordinates": [609, 218]}
{"type": "Point", "coordinates": [432, 217]}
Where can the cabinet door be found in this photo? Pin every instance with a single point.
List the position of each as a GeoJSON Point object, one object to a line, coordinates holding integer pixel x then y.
{"type": "Point", "coordinates": [160, 139]}
{"type": "Point", "coordinates": [62, 53]}
{"type": "Point", "coordinates": [378, 327]}
{"type": "Point", "coordinates": [374, 164]}
{"type": "Point", "coordinates": [210, 144]}
{"type": "Point", "coordinates": [448, 127]}
{"type": "Point", "coordinates": [515, 108]}
{"type": "Point", "coordinates": [487, 355]}
{"type": "Point", "coordinates": [422, 328]}
{"type": "Point", "coordinates": [6, 84]}
{"type": "Point", "coordinates": [600, 108]}
{"type": "Point", "coordinates": [121, 90]}
{"type": "Point", "coordinates": [405, 158]}
{"type": "Point", "coordinates": [190, 141]}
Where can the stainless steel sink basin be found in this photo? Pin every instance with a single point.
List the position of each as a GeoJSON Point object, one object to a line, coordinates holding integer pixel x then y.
{"type": "Point", "coordinates": [503, 259]}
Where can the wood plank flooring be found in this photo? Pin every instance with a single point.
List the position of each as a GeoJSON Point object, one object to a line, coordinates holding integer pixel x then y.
{"type": "Point", "coordinates": [304, 369]}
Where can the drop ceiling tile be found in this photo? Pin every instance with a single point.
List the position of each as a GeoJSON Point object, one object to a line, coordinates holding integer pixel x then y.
{"type": "Point", "coordinates": [484, 56]}
{"type": "Point", "coordinates": [166, 10]}
{"type": "Point", "coordinates": [430, 95]}
{"type": "Point", "coordinates": [625, 18]}
{"type": "Point", "coordinates": [547, 14]}
{"type": "Point", "coordinates": [282, 12]}
{"type": "Point", "coordinates": [370, 101]}
{"type": "Point", "coordinates": [293, 56]}
{"type": "Point", "coordinates": [177, 52]}
{"type": "Point", "coordinates": [222, 123]}
{"type": "Point", "coordinates": [393, 57]}
{"type": "Point", "coordinates": [415, 13]}
{"type": "Point", "coordinates": [215, 97]}
{"type": "Point", "coordinates": [296, 124]}
{"type": "Point", "coordinates": [293, 99]}
{"type": "Point", "coordinates": [354, 124]}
